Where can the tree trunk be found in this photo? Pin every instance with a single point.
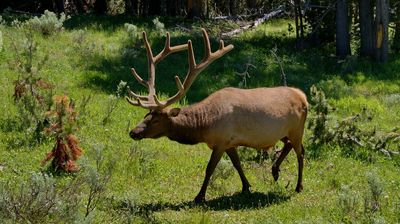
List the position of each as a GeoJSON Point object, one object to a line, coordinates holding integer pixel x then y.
{"type": "Point", "coordinates": [396, 38]}
{"type": "Point", "coordinates": [100, 6]}
{"type": "Point", "coordinates": [154, 7]}
{"type": "Point", "coordinates": [196, 9]}
{"type": "Point", "coordinates": [381, 31]}
{"type": "Point", "coordinates": [131, 7]}
{"type": "Point", "coordinates": [342, 30]}
{"type": "Point", "coordinates": [366, 30]}
{"type": "Point", "coordinates": [298, 24]}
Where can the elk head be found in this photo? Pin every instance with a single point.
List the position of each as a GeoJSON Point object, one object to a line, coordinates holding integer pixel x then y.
{"type": "Point", "coordinates": [157, 122]}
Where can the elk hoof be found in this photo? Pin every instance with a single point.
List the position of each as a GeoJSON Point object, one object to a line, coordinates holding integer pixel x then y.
{"type": "Point", "coordinates": [275, 172]}
{"type": "Point", "coordinates": [246, 189]}
{"type": "Point", "coordinates": [299, 188]}
{"type": "Point", "coordinates": [199, 199]}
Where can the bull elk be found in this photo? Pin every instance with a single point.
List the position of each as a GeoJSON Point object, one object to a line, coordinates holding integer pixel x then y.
{"type": "Point", "coordinates": [226, 119]}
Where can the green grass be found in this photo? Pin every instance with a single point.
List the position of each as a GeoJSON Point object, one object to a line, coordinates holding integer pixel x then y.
{"type": "Point", "coordinates": [156, 180]}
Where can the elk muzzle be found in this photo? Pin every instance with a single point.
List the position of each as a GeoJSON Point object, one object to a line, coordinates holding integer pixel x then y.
{"type": "Point", "coordinates": [137, 132]}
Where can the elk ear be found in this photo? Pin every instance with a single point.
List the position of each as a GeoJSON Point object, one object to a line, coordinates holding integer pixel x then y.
{"type": "Point", "coordinates": [174, 112]}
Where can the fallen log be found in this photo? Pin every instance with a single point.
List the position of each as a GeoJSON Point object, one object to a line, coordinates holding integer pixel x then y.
{"type": "Point", "coordinates": [255, 23]}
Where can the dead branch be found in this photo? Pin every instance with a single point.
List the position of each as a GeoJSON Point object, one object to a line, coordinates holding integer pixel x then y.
{"type": "Point", "coordinates": [255, 23]}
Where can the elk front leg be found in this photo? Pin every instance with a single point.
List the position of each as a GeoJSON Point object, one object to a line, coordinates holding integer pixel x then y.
{"type": "Point", "coordinates": [233, 155]}
{"type": "Point", "coordinates": [215, 158]}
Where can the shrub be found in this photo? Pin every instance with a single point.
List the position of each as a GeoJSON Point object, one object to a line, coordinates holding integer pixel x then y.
{"type": "Point", "coordinates": [224, 171]}
{"type": "Point", "coordinates": [39, 199]}
{"type": "Point", "coordinates": [348, 202]}
{"type": "Point", "coordinates": [62, 120]}
{"type": "Point", "coordinates": [348, 132]}
{"type": "Point", "coordinates": [1, 41]}
{"type": "Point", "coordinates": [32, 94]}
{"type": "Point", "coordinates": [318, 120]}
{"type": "Point", "coordinates": [132, 31]}
{"type": "Point", "coordinates": [113, 102]}
{"type": "Point", "coordinates": [48, 23]}
{"type": "Point", "coordinates": [372, 200]}
{"type": "Point", "coordinates": [97, 177]}
{"type": "Point", "coordinates": [159, 25]}
{"type": "Point", "coordinates": [31, 202]}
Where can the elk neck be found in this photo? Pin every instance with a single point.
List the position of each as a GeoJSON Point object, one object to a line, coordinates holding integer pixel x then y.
{"type": "Point", "coordinates": [192, 123]}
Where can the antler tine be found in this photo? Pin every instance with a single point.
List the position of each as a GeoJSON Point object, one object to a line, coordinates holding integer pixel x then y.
{"type": "Point", "coordinates": [138, 78]}
{"type": "Point", "coordinates": [195, 69]}
{"type": "Point", "coordinates": [191, 59]}
{"type": "Point", "coordinates": [151, 101]}
{"type": "Point", "coordinates": [221, 44]}
{"type": "Point", "coordinates": [207, 45]}
{"type": "Point", "coordinates": [181, 92]}
{"type": "Point", "coordinates": [136, 96]}
{"type": "Point", "coordinates": [147, 45]}
{"type": "Point", "coordinates": [209, 57]}
{"type": "Point", "coordinates": [168, 49]}
{"type": "Point", "coordinates": [151, 66]}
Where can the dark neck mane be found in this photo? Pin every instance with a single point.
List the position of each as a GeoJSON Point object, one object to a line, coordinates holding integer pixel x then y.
{"type": "Point", "coordinates": [192, 123]}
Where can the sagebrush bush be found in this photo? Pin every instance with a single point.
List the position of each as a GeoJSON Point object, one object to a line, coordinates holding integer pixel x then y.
{"type": "Point", "coordinates": [1, 41]}
{"type": "Point", "coordinates": [113, 101]}
{"type": "Point", "coordinates": [97, 177]}
{"type": "Point", "coordinates": [160, 27]}
{"type": "Point", "coordinates": [39, 199]}
{"type": "Point", "coordinates": [372, 200]}
{"type": "Point", "coordinates": [224, 171]}
{"type": "Point", "coordinates": [348, 202]}
{"type": "Point", "coordinates": [48, 23]}
{"type": "Point", "coordinates": [132, 30]}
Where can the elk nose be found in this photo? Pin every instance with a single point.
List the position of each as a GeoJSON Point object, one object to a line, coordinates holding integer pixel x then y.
{"type": "Point", "coordinates": [136, 133]}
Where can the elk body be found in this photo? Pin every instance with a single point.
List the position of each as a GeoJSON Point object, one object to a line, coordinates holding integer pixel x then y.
{"type": "Point", "coordinates": [228, 118]}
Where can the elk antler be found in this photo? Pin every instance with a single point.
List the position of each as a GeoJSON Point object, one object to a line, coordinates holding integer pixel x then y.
{"type": "Point", "coordinates": [151, 101]}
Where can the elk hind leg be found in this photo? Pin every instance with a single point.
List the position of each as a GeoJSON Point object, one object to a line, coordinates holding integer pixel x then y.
{"type": "Point", "coordinates": [233, 155]}
{"type": "Point", "coordinates": [284, 152]}
{"type": "Point", "coordinates": [299, 149]}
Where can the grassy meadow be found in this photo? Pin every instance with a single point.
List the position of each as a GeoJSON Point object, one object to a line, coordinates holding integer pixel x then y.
{"type": "Point", "coordinates": [125, 181]}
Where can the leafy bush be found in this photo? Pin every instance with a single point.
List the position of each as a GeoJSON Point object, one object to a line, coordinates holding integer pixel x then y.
{"type": "Point", "coordinates": [159, 25]}
{"type": "Point", "coordinates": [48, 23]}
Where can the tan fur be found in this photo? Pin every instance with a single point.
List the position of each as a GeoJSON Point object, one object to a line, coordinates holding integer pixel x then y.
{"type": "Point", "coordinates": [232, 117]}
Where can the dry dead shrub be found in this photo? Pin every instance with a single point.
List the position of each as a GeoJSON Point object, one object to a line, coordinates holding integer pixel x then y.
{"type": "Point", "coordinates": [63, 126]}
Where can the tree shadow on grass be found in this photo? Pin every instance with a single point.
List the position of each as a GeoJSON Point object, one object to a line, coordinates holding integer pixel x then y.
{"type": "Point", "coordinates": [237, 201]}
{"type": "Point", "coordinates": [302, 68]}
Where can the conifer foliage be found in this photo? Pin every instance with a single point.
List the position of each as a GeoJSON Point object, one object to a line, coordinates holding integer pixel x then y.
{"type": "Point", "coordinates": [62, 127]}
